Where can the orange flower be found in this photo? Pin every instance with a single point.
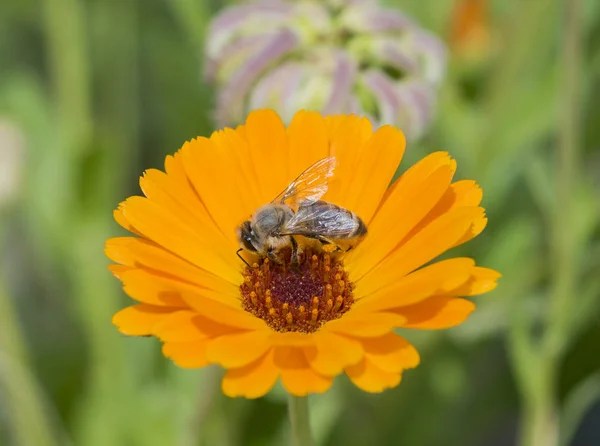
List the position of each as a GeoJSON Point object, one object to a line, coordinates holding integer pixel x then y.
{"type": "Point", "coordinates": [334, 313]}
{"type": "Point", "coordinates": [470, 29]}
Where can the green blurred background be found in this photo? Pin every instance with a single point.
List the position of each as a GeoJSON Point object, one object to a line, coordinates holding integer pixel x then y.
{"type": "Point", "coordinates": [92, 92]}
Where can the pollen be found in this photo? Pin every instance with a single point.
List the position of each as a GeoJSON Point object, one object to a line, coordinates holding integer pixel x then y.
{"type": "Point", "coordinates": [299, 297]}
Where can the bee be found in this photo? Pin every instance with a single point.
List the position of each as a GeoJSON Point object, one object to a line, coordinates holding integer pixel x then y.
{"type": "Point", "coordinates": [299, 211]}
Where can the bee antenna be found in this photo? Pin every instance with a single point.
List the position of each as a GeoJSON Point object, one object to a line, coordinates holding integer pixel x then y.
{"type": "Point", "coordinates": [237, 253]}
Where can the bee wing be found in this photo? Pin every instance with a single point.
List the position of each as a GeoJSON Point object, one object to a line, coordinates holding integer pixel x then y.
{"type": "Point", "coordinates": [323, 219]}
{"type": "Point", "coordinates": [310, 185]}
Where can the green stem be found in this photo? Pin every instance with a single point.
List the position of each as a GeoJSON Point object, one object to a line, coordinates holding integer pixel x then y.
{"type": "Point", "coordinates": [541, 417]}
{"type": "Point", "coordinates": [538, 381]}
{"type": "Point", "coordinates": [299, 420]}
{"type": "Point", "coordinates": [207, 399]}
{"type": "Point", "coordinates": [67, 47]}
{"type": "Point", "coordinates": [26, 409]}
{"type": "Point", "coordinates": [540, 414]}
{"type": "Point", "coordinates": [564, 237]}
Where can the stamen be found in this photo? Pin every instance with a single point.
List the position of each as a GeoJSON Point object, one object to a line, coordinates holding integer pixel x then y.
{"type": "Point", "coordinates": [314, 316]}
{"type": "Point", "coordinates": [297, 297]}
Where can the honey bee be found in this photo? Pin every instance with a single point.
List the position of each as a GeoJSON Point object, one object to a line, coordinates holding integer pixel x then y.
{"type": "Point", "coordinates": [299, 211]}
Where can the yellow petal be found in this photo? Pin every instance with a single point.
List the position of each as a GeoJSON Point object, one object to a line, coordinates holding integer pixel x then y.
{"type": "Point", "coordinates": [123, 222]}
{"type": "Point", "coordinates": [347, 143]}
{"type": "Point", "coordinates": [253, 380]}
{"type": "Point", "coordinates": [308, 139]}
{"type": "Point", "coordinates": [370, 378]}
{"type": "Point", "coordinates": [437, 278]}
{"type": "Point", "coordinates": [297, 376]}
{"type": "Point", "coordinates": [435, 239]}
{"type": "Point", "coordinates": [358, 323]}
{"type": "Point", "coordinates": [482, 280]}
{"type": "Point", "coordinates": [374, 171]}
{"type": "Point", "coordinates": [143, 253]}
{"type": "Point", "coordinates": [235, 150]}
{"type": "Point", "coordinates": [436, 313]}
{"type": "Point", "coordinates": [292, 338]}
{"type": "Point", "coordinates": [175, 168]}
{"type": "Point", "coordinates": [187, 326]}
{"type": "Point", "coordinates": [139, 320]}
{"type": "Point", "coordinates": [414, 195]}
{"type": "Point", "coordinates": [119, 270]}
{"type": "Point", "coordinates": [170, 195]}
{"type": "Point", "coordinates": [332, 353]}
{"type": "Point", "coordinates": [188, 355]}
{"type": "Point", "coordinates": [216, 178]}
{"type": "Point", "coordinates": [390, 353]}
{"type": "Point", "coordinates": [144, 286]}
{"type": "Point", "coordinates": [477, 226]}
{"type": "Point", "coordinates": [461, 193]}
{"type": "Point", "coordinates": [238, 349]}
{"type": "Point", "coordinates": [169, 231]}
{"type": "Point", "coordinates": [137, 286]}
{"type": "Point", "coordinates": [268, 144]}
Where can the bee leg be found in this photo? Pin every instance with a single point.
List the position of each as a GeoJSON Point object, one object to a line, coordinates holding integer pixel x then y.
{"type": "Point", "coordinates": [294, 260]}
{"type": "Point", "coordinates": [241, 258]}
{"type": "Point", "coordinates": [273, 256]}
{"type": "Point", "coordinates": [327, 241]}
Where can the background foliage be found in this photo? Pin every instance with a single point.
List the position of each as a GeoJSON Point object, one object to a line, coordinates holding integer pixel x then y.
{"type": "Point", "coordinates": [101, 90]}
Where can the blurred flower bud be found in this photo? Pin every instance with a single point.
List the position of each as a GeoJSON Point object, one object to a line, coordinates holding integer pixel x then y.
{"type": "Point", "coordinates": [335, 56]}
{"type": "Point", "coordinates": [11, 161]}
{"type": "Point", "coordinates": [470, 34]}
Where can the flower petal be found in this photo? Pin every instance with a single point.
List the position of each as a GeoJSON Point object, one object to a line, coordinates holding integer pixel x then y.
{"type": "Point", "coordinates": [332, 353]}
{"type": "Point", "coordinates": [370, 378]}
{"type": "Point", "coordinates": [482, 280]}
{"type": "Point", "coordinates": [408, 201]}
{"type": "Point", "coordinates": [435, 239]}
{"type": "Point", "coordinates": [143, 253]}
{"type": "Point", "coordinates": [179, 200]}
{"type": "Point", "coordinates": [347, 142]}
{"type": "Point", "coordinates": [148, 287]}
{"type": "Point", "coordinates": [216, 178]}
{"type": "Point", "coordinates": [436, 313]}
{"type": "Point", "coordinates": [139, 320]}
{"type": "Point", "coordinates": [308, 141]}
{"type": "Point", "coordinates": [122, 220]}
{"type": "Point", "coordinates": [145, 286]}
{"type": "Point", "coordinates": [189, 326]}
{"type": "Point", "coordinates": [253, 380]}
{"type": "Point", "coordinates": [358, 323]}
{"type": "Point", "coordinates": [188, 355]}
{"type": "Point", "coordinates": [460, 193]}
{"type": "Point", "coordinates": [268, 144]}
{"type": "Point", "coordinates": [297, 376]}
{"type": "Point", "coordinates": [437, 278]}
{"type": "Point", "coordinates": [238, 349]}
{"type": "Point", "coordinates": [390, 353]}
{"type": "Point", "coordinates": [477, 226]}
{"type": "Point", "coordinates": [235, 150]}
{"type": "Point", "coordinates": [169, 231]}
{"type": "Point", "coordinates": [374, 171]}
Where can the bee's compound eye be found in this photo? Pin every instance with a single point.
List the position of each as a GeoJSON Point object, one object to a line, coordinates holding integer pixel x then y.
{"type": "Point", "coordinates": [247, 236]}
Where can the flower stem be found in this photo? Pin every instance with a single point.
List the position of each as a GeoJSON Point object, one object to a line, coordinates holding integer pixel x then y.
{"type": "Point", "coordinates": [541, 418]}
{"type": "Point", "coordinates": [299, 420]}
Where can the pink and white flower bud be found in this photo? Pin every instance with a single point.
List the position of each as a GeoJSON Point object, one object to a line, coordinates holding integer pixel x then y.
{"type": "Point", "coordinates": [335, 56]}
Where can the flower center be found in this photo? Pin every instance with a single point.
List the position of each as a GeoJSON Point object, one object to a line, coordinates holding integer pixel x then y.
{"type": "Point", "coordinates": [297, 298]}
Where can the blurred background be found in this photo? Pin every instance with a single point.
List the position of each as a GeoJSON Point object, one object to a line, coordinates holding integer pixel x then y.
{"type": "Point", "coordinates": [92, 92]}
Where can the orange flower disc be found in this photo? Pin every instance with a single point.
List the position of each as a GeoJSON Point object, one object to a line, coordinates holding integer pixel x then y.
{"type": "Point", "coordinates": [334, 311]}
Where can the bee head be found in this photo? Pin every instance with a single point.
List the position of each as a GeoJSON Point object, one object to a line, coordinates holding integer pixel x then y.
{"type": "Point", "coordinates": [247, 237]}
